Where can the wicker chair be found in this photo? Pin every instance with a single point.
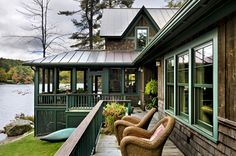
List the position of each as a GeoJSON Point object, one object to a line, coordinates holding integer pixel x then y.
{"type": "Point", "coordinates": [136, 140]}
{"type": "Point", "coordinates": [127, 121]}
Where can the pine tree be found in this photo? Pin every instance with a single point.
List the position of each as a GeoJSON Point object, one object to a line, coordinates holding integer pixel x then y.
{"type": "Point", "coordinates": [175, 3]}
{"type": "Point", "coordinates": [88, 27]}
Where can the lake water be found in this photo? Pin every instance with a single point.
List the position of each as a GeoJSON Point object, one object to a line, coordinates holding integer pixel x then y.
{"type": "Point", "coordinates": [15, 99]}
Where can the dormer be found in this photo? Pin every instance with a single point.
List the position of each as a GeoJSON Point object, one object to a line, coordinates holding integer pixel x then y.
{"type": "Point", "coordinates": [132, 29]}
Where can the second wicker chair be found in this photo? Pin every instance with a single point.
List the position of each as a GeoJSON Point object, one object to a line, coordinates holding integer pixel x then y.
{"type": "Point", "coordinates": [127, 121]}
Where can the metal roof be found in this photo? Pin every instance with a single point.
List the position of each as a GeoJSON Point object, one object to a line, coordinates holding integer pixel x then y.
{"type": "Point", "coordinates": [114, 22]}
{"type": "Point", "coordinates": [86, 57]}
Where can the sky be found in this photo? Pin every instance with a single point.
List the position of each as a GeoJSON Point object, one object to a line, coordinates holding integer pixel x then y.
{"type": "Point", "coordinates": [13, 23]}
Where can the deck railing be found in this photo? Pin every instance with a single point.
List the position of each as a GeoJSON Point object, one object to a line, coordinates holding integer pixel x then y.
{"type": "Point", "coordinates": [51, 99]}
{"type": "Point", "coordinates": [83, 140]}
{"type": "Point", "coordinates": [88, 101]}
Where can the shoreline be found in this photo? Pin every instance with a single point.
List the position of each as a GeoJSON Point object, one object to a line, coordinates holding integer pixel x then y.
{"type": "Point", "coordinates": [14, 138]}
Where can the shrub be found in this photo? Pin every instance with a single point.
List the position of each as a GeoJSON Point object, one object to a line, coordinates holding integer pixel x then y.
{"type": "Point", "coordinates": [24, 117]}
{"type": "Point", "coordinates": [151, 87]}
{"type": "Point", "coordinates": [112, 112]}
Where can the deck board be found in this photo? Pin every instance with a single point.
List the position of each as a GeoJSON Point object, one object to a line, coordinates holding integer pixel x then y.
{"type": "Point", "coordinates": [107, 144]}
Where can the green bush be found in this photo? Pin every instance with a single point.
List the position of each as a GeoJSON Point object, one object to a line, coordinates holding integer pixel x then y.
{"type": "Point", "coordinates": [112, 112]}
{"type": "Point", "coordinates": [151, 87]}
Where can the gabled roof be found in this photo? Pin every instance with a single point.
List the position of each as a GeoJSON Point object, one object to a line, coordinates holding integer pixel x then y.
{"type": "Point", "coordinates": [116, 21]}
{"type": "Point", "coordinates": [191, 18]}
{"type": "Point", "coordinates": [87, 57]}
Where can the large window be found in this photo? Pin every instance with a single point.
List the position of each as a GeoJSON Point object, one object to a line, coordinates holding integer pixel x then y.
{"type": "Point", "coordinates": [203, 84]}
{"type": "Point", "coordinates": [130, 80]}
{"type": "Point", "coordinates": [115, 80]}
{"type": "Point", "coordinates": [182, 84]}
{"type": "Point", "coordinates": [141, 38]}
{"type": "Point", "coordinates": [191, 88]}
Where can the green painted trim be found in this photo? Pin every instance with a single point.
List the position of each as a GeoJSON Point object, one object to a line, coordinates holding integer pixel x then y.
{"type": "Point", "coordinates": [175, 85]}
{"type": "Point", "coordinates": [215, 84]}
{"type": "Point", "coordinates": [210, 36]}
{"type": "Point", "coordinates": [191, 102]}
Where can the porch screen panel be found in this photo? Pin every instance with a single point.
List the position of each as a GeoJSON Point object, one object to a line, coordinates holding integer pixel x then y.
{"type": "Point", "coordinates": [64, 81]}
{"type": "Point", "coordinates": [203, 85]}
{"type": "Point", "coordinates": [170, 83]}
{"type": "Point", "coordinates": [182, 84]}
{"type": "Point", "coordinates": [80, 81]}
{"type": "Point", "coordinates": [115, 78]}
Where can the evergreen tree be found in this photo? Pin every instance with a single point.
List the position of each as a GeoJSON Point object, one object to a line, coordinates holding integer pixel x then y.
{"type": "Point", "coordinates": [175, 3]}
{"type": "Point", "coordinates": [89, 25]}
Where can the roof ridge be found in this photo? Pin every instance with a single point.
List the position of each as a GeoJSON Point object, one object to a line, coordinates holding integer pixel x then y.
{"type": "Point", "coordinates": [139, 8]}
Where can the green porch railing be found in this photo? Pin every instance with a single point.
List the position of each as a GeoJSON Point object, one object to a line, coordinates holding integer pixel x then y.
{"type": "Point", "coordinates": [51, 99]}
{"type": "Point", "coordinates": [82, 141]}
{"type": "Point", "coordinates": [87, 101]}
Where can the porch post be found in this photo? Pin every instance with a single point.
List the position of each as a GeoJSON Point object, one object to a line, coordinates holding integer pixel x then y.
{"type": "Point", "coordinates": [85, 80]}
{"type": "Point", "coordinates": [122, 81]}
{"type": "Point", "coordinates": [43, 80]}
{"type": "Point", "coordinates": [74, 78]}
{"type": "Point", "coordinates": [55, 82]}
{"type": "Point", "coordinates": [36, 93]}
{"type": "Point", "coordinates": [48, 77]}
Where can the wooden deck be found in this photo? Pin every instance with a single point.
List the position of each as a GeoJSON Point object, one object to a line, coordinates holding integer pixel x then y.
{"type": "Point", "coordinates": [107, 144]}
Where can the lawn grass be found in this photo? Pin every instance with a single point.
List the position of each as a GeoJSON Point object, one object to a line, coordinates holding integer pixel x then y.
{"type": "Point", "coordinates": [29, 146]}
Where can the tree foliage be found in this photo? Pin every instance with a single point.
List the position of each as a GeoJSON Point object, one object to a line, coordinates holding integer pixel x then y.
{"type": "Point", "coordinates": [13, 71]}
{"type": "Point", "coordinates": [175, 3]}
{"type": "Point", "coordinates": [88, 27]}
{"type": "Point", "coordinates": [3, 75]}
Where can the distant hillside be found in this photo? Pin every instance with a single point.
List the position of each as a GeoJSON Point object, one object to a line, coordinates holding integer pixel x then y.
{"type": "Point", "coordinates": [12, 71]}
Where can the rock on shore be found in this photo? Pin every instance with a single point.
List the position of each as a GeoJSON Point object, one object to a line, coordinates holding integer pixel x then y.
{"type": "Point", "coordinates": [18, 127]}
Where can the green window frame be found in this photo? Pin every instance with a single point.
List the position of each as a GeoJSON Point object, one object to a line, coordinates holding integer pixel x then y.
{"type": "Point", "coordinates": [170, 83]}
{"type": "Point", "coordinates": [141, 37]}
{"type": "Point", "coordinates": [195, 83]}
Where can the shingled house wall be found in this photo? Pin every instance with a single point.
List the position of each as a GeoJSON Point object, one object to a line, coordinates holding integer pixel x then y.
{"type": "Point", "coordinates": [189, 141]}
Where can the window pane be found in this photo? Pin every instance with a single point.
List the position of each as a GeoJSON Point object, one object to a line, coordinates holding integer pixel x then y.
{"type": "Point", "coordinates": [203, 65]}
{"type": "Point", "coordinates": [170, 84]}
{"type": "Point", "coordinates": [130, 81]}
{"type": "Point", "coordinates": [203, 85]}
{"type": "Point", "coordinates": [115, 81]}
{"type": "Point", "coordinates": [182, 85]}
{"type": "Point", "coordinates": [204, 102]}
{"type": "Point", "coordinates": [141, 40]}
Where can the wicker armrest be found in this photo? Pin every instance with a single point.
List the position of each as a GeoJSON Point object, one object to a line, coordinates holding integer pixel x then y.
{"type": "Point", "coordinates": [131, 119]}
{"type": "Point", "coordinates": [142, 143]}
{"type": "Point", "coordinates": [138, 132]}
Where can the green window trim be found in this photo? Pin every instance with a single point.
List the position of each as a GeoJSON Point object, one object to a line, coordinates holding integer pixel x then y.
{"type": "Point", "coordinates": [210, 37]}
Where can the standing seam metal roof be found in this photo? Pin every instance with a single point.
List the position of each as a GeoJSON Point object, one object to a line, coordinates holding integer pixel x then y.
{"type": "Point", "coordinates": [88, 58]}
{"type": "Point", "coordinates": [115, 21]}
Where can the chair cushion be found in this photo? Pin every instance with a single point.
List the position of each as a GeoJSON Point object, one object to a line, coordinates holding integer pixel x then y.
{"type": "Point", "coordinates": [157, 132]}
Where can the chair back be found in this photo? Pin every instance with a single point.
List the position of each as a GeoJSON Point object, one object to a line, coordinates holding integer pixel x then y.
{"type": "Point", "coordinates": [144, 123]}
